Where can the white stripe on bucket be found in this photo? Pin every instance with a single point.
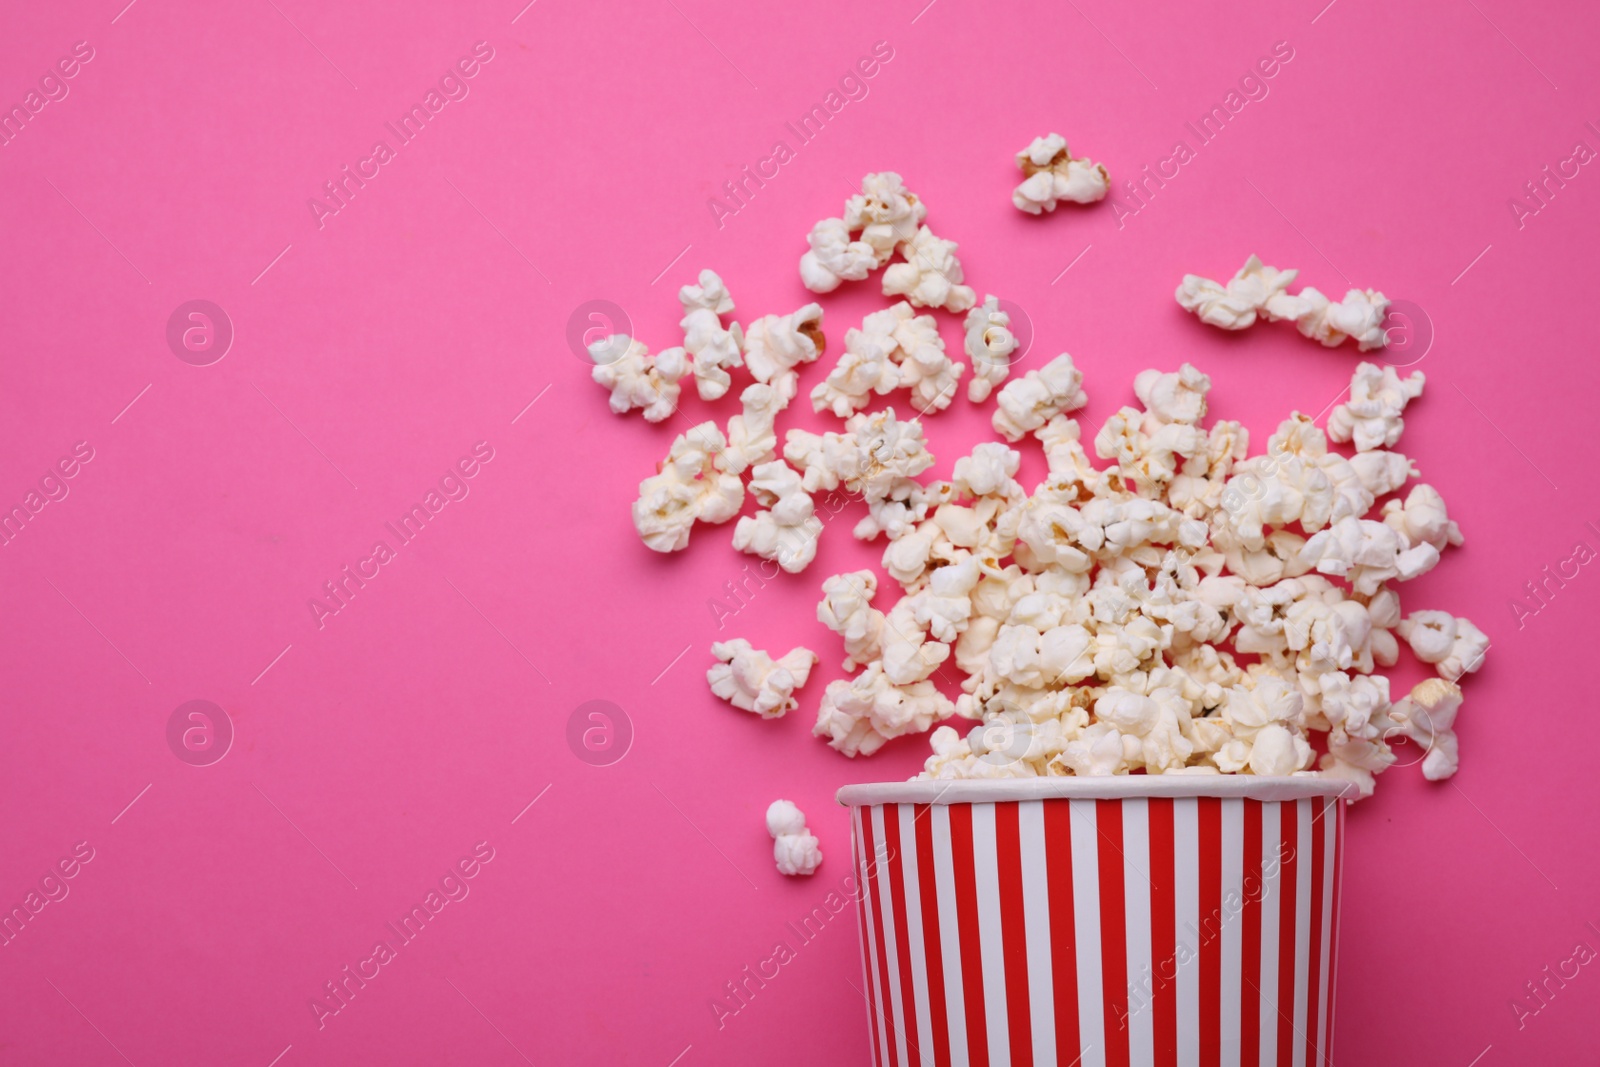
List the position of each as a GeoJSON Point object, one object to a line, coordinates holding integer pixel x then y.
{"type": "Point", "coordinates": [1136, 900]}
{"type": "Point", "coordinates": [1186, 850]}
{"type": "Point", "coordinates": [949, 932]}
{"type": "Point", "coordinates": [1036, 908]}
{"type": "Point", "coordinates": [913, 867]}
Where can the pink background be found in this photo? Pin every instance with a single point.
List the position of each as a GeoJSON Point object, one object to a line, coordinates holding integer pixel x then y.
{"type": "Point", "coordinates": [429, 312]}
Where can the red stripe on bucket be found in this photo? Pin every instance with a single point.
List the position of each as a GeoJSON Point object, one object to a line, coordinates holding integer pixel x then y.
{"type": "Point", "coordinates": [1314, 975]}
{"type": "Point", "coordinates": [928, 892]}
{"type": "Point", "coordinates": [863, 817]}
{"type": "Point", "coordinates": [902, 936]}
{"type": "Point", "coordinates": [1333, 928]}
{"type": "Point", "coordinates": [875, 890]}
{"type": "Point", "coordinates": [1210, 932]}
{"type": "Point", "coordinates": [1164, 932]}
{"type": "Point", "coordinates": [1113, 931]}
{"type": "Point", "coordinates": [1014, 932]}
{"type": "Point", "coordinates": [1288, 891]}
{"type": "Point", "coordinates": [1063, 935]}
{"type": "Point", "coordinates": [1250, 940]}
{"type": "Point", "coordinates": [967, 925]}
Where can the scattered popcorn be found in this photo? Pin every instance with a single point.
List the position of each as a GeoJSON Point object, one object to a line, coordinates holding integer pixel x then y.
{"type": "Point", "coordinates": [1050, 175]}
{"type": "Point", "coordinates": [693, 486]}
{"type": "Point", "coordinates": [753, 681]}
{"type": "Point", "coordinates": [989, 344]}
{"type": "Point", "coordinates": [1372, 417]}
{"type": "Point", "coordinates": [636, 379]}
{"type": "Point", "coordinates": [794, 848]}
{"type": "Point", "coordinates": [714, 349]}
{"type": "Point", "coordinates": [930, 276]}
{"type": "Point", "coordinates": [1027, 403]}
{"type": "Point", "coordinates": [884, 215]}
{"type": "Point", "coordinates": [786, 533]}
{"type": "Point", "coordinates": [775, 345]}
{"type": "Point", "coordinates": [1186, 608]}
{"type": "Point", "coordinates": [1262, 291]}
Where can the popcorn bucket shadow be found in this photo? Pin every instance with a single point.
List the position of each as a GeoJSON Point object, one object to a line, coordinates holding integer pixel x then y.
{"type": "Point", "coordinates": [1127, 920]}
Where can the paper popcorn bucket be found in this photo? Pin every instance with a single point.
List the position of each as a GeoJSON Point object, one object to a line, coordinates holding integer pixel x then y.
{"type": "Point", "coordinates": [1108, 922]}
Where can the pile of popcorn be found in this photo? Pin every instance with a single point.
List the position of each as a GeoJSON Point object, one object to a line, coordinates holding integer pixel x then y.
{"type": "Point", "coordinates": [1187, 608]}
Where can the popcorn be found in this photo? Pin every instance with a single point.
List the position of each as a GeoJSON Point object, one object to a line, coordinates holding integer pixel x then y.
{"type": "Point", "coordinates": [834, 257]}
{"type": "Point", "coordinates": [794, 849]}
{"type": "Point", "coordinates": [752, 436]}
{"type": "Point", "coordinates": [775, 345]}
{"type": "Point", "coordinates": [859, 715]}
{"type": "Point", "coordinates": [1372, 417]}
{"type": "Point", "coordinates": [1423, 519]}
{"type": "Point", "coordinates": [1187, 608]}
{"type": "Point", "coordinates": [786, 533]}
{"type": "Point", "coordinates": [1050, 175]}
{"type": "Point", "coordinates": [884, 215]}
{"type": "Point", "coordinates": [1262, 291]}
{"type": "Point", "coordinates": [989, 344]}
{"type": "Point", "coordinates": [847, 610]}
{"type": "Point", "coordinates": [931, 276]}
{"type": "Point", "coordinates": [637, 380]}
{"type": "Point", "coordinates": [692, 486]}
{"type": "Point", "coordinates": [713, 348]}
{"type": "Point", "coordinates": [1428, 717]}
{"type": "Point", "coordinates": [751, 680]}
{"type": "Point", "coordinates": [1454, 646]}
{"type": "Point", "coordinates": [864, 368]}
{"type": "Point", "coordinates": [1027, 403]}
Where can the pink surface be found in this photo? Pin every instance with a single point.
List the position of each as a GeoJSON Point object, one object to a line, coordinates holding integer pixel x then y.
{"type": "Point", "coordinates": [371, 354]}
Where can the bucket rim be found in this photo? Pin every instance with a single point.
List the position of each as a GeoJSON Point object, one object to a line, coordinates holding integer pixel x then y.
{"type": "Point", "coordinates": [1112, 787]}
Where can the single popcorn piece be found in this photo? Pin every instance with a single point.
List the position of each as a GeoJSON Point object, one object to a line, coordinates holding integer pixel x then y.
{"type": "Point", "coordinates": [989, 344]}
{"type": "Point", "coordinates": [1051, 175]}
{"type": "Point", "coordinates": [794, 849]}
{"type": "Point", "coordinates": [1454, 646]}
{"type": "Point", "coordinates": [636, 379]}
{"type": "Point", "coordinates": [865, 368]}
{"type": "Point", "coordinates": [1260, 291]}
{"type": "Point", "coordinates": [881, 217]}
{"type": "Point", "coordinates": [1428, 717]}
{"type": "Point", "coordinates": [847, 610]}
{"type": "Point", "coordinates": [1422, 519]}
{"type": "Point", "coordinates": [752, 434]}
{"type": "Point", "coordinates": [885, 212]}
{"type": "Point", "coordinates": [787, 532]}
{"type": "Point", "coordinates": [834, 257]}
{"type": "Point", "coordinates": [930, 275]}
{"type": "Point", "coordinates": [775, 345]}
{"type": "Point", "coordinates": [692, 486]}
{"type": "Point", "coordinates": [751, 680]}
{"type": "Point", "coordinates": [1027, 403]}
{"type": "Point", "coordinates": [1372, 416]}
{"type": "Point", "coordinates": [713, 348]}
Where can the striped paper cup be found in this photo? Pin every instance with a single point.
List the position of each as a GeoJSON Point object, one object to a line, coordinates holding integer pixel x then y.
{"type": "Point", "coordinates": [1140, 920]}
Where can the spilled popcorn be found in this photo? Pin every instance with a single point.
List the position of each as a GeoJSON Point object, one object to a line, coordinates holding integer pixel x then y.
{"type": "Point", "coordinates": [794, 849]}
{"type": "Point", "coordinates": [1051, 175]}
{"type": "Point", "coordinates": [1178, 607]}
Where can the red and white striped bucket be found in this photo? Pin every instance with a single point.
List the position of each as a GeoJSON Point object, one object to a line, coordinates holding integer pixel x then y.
{"type": "Point", "coordinates": [1105, 922]}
